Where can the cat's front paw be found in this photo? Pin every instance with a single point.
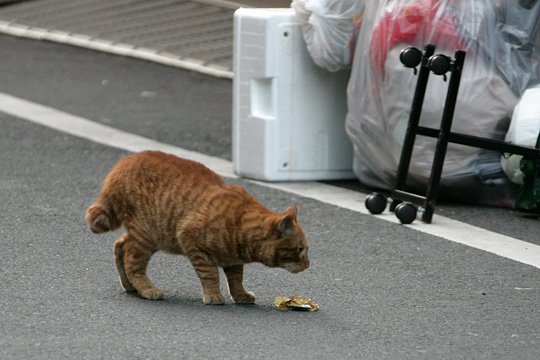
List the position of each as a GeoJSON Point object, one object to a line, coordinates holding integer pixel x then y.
{"type": "Point", "coordinates": [246, 298]}
{"type": "Point", "coordinates": [213, 299]}
{"type": "Point", "coordinates": [152, 294]}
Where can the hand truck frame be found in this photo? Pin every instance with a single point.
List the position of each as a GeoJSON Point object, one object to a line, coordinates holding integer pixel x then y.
{"type": "Point", "coordinates": [404, 203]}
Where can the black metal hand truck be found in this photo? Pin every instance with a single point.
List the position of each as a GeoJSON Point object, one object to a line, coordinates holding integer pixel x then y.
{"type": "Point", "coordinates": [403, 203]}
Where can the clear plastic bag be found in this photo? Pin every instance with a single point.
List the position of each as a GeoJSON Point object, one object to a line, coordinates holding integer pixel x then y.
{"type": "Point", "coordinates": [502, 43]}
{"type": "Point", "coordinates": [329, 29]}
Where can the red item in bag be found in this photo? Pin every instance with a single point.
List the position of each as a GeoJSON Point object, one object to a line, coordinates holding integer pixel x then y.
{"type": "Point", "coordinates": [416, 23]}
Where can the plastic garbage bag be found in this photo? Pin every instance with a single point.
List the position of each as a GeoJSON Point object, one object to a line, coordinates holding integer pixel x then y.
{"type": "Point", "coordinates": [329, 30]}
{"type": "Point", "coordinates": [528, 198]}
{"type": "Point", "coordinates": [502, 41]}
{"type": "Point", "coordinates": [524, 130]}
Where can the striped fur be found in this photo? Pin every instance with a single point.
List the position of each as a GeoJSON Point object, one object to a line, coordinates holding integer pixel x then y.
{"type": "Point", "coordinates": [179, 206]}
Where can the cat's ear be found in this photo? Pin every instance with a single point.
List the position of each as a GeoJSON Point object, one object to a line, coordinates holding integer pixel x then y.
{"type": "Point", "coordinates": [291, 211]}
{"type": "Point", "coordinates": [285, 224]}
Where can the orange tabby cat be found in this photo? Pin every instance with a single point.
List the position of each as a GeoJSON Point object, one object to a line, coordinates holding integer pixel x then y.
{"type": "Point", "coordinates": [182, 207]}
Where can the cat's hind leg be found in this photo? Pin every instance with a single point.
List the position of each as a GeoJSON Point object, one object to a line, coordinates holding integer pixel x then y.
{"type": "Point", "coordinates": [137, 254]}
{"type": "Point", "coordinates": [119, 252]}
{"type": "Point", "coordinates": [235, 276]}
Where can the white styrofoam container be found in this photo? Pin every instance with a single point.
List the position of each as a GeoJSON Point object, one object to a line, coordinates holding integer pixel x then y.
{"type": "Point", "coordinates": [288, 114]}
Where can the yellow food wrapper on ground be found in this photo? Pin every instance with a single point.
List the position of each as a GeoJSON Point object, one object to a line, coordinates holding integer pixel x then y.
{"type": "Point", "coordinates": [295, 302]}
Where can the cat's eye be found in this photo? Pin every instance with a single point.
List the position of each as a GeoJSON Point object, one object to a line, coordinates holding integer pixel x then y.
{"type": "Point", "coordinates": [300, 249]}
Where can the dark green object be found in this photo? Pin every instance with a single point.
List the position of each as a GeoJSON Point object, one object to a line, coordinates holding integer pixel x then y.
{"type": "Point", "coordinates": [528, 198]}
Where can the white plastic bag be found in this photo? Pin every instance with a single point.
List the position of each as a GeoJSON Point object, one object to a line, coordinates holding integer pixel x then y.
{"type": "Point", "coordinates": [524, 130]}
{"type": "Point", "coordinates": [328, 30]}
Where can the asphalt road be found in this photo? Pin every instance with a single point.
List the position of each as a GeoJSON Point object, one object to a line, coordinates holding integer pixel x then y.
{"type": "Point", "coordinates": [386, 291]}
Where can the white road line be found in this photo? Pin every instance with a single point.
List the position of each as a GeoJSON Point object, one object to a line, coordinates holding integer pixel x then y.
{"type": "Point", "coordinates": [99, 133]}
{"type": "Point", "coordinates": [441, 227]}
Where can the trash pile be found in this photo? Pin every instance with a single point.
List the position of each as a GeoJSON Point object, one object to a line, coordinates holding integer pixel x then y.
{"type": "Point", "coordinates": [500, 82]}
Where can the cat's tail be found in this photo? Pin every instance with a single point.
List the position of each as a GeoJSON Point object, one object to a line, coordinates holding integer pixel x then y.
{"type": "Point", "coordinates": [102, 218]}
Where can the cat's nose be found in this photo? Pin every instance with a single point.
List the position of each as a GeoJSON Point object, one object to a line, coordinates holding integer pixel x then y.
{"type": "Point", "coordinates": [304, 259]}
{"type": "Point", "coordinates": [306, 262]}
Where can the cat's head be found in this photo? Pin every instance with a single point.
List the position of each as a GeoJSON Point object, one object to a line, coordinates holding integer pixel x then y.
{"type": "Point", "coordinates": [286, 245]}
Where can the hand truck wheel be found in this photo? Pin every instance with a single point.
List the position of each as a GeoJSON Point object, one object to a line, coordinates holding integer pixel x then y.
{"type": "Point", "coordinates": [376, 203]}
{"type": "Point", "coordinates": [406, 212]}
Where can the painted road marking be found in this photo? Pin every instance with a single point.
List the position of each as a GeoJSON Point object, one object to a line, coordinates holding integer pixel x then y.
{"type": "Point", "coordinates": [441, 226]}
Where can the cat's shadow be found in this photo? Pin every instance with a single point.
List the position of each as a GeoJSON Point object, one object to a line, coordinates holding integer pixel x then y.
{"type": "Point", "coordinates": [176, 301]}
